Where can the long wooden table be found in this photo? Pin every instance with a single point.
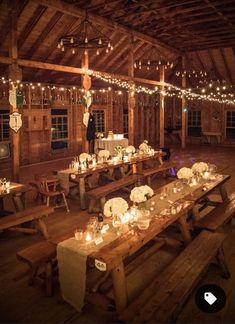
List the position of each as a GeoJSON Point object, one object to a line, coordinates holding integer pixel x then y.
{"type": "Point", "coordinates": [17, 192]}
{"type": "Point", "coordinates": [134, 162]}
{"type": "Point", "coordinates": [114, 253]}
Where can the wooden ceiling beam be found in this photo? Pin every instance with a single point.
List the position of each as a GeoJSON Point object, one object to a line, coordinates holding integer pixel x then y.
{"type": "Point", "coordinates": [226, 66]}
{"type": "Point", "coordinates": [39, 11]}
{"type": "Point", "coordinates": [6, 27]}
{"type": "Point", "coordinates": [78, 12]}
{"type": "Point", "coordinates": [44, 34]}
{"type": "Point", "coordinates": [69, 69]}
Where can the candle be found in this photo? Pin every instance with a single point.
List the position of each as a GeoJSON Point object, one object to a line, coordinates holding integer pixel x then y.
{"type": "Point", "coordinates": [8, 184]}
{"type": "Point", "coordinates": [88, 237]}
{"type": "Point", "coordinates": [206, 175]}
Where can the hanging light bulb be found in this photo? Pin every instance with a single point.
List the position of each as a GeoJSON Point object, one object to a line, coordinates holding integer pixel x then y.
{"type": "Point", "coordinates": [159, 62]}
{"type": "Point", "coordinates": [58, 46]}
{"type": "Point", "coordinates": [97, 52]}
{"type": "Point", "coordinates": [147, 67]}
{"type": "Point", "coordinates": [100, 41]}
{"type": "Point", "coordinates": [135, 65]}
{"type": "Point", "coordinates": [86, 40]}
{"type": "Point", "coordinates": [111, 47]}
{"type": "Point", "coordinates": [107, 50]}
{"type": "Point", "coordinates": [61, 42]}
{"type": "Point", "coordinates": [62, 48]}
{"type": "Point", "coordinates": [109, 44]}
{"type": "Point", "coordinates": [157, 68]}
{"type": "Point", "coordinates": [168, 63]}
{"type": "Point", "coordinates": [73, 51]}
{"type": "Point", "coordinates": [85, 52]}
{"type": "Point", "coordinates": [148, 62]}
{"type": "Point", "coordinates": [71, 40]}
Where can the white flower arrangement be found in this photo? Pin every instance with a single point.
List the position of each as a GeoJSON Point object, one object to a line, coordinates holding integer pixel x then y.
{"type": "Point", "coordinates": [130, 149]}
{"type": "Point", "coordinates": [185, 173]}
{"type": "Point", "coordinates": [84, 156]}
{"type": "Point", "coordinates": [141, 194]}
{"type": "Point", "coordinates": [115, 206]}
{"type": "Point", "coordinates": [104, 154]}
{"type": "Point", "coordinates": [200, 167]}
{"type": "Point", "coordinates": [144, 147]}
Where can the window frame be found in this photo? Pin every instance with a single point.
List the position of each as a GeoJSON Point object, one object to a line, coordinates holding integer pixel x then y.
{"type": "Point", "coordinates": [4, 121]}
{"type": "Point", "coordinates": [102, 128]}
{"type": "Point", "coordinates": [57, 116]}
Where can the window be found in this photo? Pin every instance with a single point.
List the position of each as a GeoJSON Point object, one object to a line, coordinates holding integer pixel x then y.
{"type": "Point", "coordinates": [194, 123]}
{"type": "Point", "coordinates": [125, 122]}
{"type": "Point", "coordinates": [230, 124]}
{"type": "Point", "coordinates": [99, 120]}
{"type": "Point", "coordinates": [4, 126]}
{"type": "Point", "coordinates": [59, 128]}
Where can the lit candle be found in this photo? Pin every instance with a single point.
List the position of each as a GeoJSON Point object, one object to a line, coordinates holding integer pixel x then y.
{"type": "Point", "coordinates": [206, 175]}
{"type": "Point", "coordinates": [88, 237]}
{"type": "Point", "coordinates": [8, 184]}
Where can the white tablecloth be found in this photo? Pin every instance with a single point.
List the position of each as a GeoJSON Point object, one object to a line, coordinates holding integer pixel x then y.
{"type": "Point", "coordinates": [110, 144]}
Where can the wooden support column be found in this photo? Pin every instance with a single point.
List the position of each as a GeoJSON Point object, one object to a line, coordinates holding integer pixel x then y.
{"type": "Point", "coordinates": [184, 111]}
{"type": "Point", "coordinates": [86, 83]}
{"type": "Point", "coordinates": [131, 97]}
{"type": "Point", "coordinates": [14, 74]}
{"type": "Point", "coordinates": [162, 109]}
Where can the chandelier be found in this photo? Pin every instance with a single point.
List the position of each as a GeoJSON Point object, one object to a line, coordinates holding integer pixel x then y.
{"type": "Point", "coordinates": [153, 63]}
{"type": "Point", "coordinates": [86, 37]}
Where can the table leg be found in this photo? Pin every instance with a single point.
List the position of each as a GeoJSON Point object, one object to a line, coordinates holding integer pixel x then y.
{"type": "Point", "coordinates": [119, 287]}
{"type": "Point", "coordinates": [19, 201]}
{"type": "Point", "coordinates": [82, 193]}
{"type": "Point", "coordinates": [134, 168]}
{"type": "Point", "coordinates": [223, 193]}
{"type": "Point", "coordinates": [122, 171]}
{"type": "Point", "coordinates": [184, 228]}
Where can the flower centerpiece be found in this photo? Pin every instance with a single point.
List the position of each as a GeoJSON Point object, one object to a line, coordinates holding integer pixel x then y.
{"type": "Point", "coordinates": [130, 150]}
{"type": "Point", "coordinates": [185, 174]}
{"type": "Point", "coordinates": [139, 196]}
{"type": "Point", "coordinates": [200, 168]}
{"type": "Point", "coordinates": [104, 155]}
{"type": "Point", "coordinates": [119, 150]}
{"type": "Point", "coordinates": [85, 158]}
{"type": "Point", "coordinates": [115, 208]}
{"type": "Point", "coordinates": [144, 147]}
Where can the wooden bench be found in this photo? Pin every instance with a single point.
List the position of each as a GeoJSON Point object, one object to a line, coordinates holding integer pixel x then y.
{"type": "Point", "coordinates": [163, 299]}
{"type": "Point", "coordinates": [36, 213]}
{"type": "Point", "coordinates": [151, 172]}
{"type": "Point", "coordinates": [100, 193]}
{"type": "Point", "coordinates": [218, 217]}
{"type": "Point", "coordinates": [39, 256]}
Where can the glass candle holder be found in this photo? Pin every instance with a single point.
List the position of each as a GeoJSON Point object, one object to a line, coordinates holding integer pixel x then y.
{"type": "Point", "coordinates": [78, 234]}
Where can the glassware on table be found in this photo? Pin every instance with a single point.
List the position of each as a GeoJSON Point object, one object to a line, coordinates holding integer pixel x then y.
{"type": "Point", "coordinates": [78, 234]}
{"type": "Point", "coordinates": [212, 168]}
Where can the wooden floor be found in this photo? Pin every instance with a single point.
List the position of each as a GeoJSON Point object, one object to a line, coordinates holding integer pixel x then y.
{"type": "Point", "coordinates": [22, 303]}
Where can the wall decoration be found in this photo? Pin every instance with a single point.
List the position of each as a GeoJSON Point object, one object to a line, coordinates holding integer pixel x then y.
{"type": "Point", "coordinates": [15, 121]}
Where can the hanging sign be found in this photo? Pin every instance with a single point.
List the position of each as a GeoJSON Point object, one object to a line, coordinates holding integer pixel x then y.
{"type": "Point", "coordinates": [12, 96]}
{"type": "Point", "coordinates": [15, 121]}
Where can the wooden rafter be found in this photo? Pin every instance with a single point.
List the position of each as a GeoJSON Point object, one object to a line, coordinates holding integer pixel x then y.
{"type": "Point", "coordinates": [78, 12]}
{"type": "Point", "coordinates": [48, 28]}
{"type": "Point", "coordinates": [226, 66]}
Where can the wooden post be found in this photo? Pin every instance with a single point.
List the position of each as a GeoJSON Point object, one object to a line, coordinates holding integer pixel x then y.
{"type": "Point", "coordinates": [162, 110]}
{"type": "Point", "coordinates": [131, 97]}
{"type": "Point", "coordinates": [14, 74]}
{"type": "Point", "coordinates": [86, 83]}
{"type": "Point", "coordinates": [184, 111]}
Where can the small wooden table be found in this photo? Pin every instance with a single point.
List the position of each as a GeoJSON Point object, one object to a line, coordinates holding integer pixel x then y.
{"type": "Point", "coordinates": [17, 192]}
{"type": "Point", "coordinates": [210, 135]}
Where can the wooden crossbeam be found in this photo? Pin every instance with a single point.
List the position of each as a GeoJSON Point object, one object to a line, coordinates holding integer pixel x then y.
{"type": "Point", "coordinates": [226, 66]}
{"type": "Point", "coordinates": [70, 69]}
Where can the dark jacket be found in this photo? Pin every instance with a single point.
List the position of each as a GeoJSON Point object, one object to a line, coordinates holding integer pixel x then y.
{"type": "Point", "coordinates": [90, 133]}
